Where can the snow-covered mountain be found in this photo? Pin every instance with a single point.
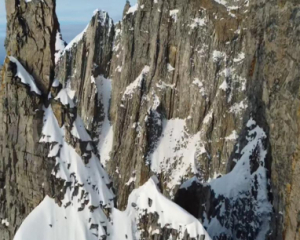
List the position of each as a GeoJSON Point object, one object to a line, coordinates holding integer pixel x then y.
{"type": "Point", "coordinates": [179, 122]}
{"type": "Point", "coordinates": [85, 208]}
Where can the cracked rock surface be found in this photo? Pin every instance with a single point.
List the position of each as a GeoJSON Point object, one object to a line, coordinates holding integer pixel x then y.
{"type": "Point", "coordinates": [203, 94]}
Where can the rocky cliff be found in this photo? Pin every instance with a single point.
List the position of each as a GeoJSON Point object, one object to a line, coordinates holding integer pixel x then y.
{"type": "Point", "coordinates": [202, 94]}
{"type": "Point", "coordinates": [25, 174]}
{"type": "Point", "coordinates": [83, 60]}
{"type": "Point", "coordinates": [216, 98]}
{"type": "Point", "coordinates": [32, 30]}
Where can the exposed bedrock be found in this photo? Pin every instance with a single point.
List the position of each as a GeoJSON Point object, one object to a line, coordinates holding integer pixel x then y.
{"type": "Point", "coordinates": [203, 94]}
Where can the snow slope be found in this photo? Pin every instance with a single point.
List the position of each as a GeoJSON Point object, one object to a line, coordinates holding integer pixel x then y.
{"type": "Point", "coordinates": [176, 152]}
{"type": "Point", "coordinates": [75, 219]}
{"type": "Point", "coordinates": [86, 210]}
{"type": "Point", "coordinates": [106, 129]}
{"type": "Point", "coordinates": [244, 189]}
{"type": "Point", "coordinates": [83, 216]}
{"type": "Point", "coordinates": [50, 222]}
{"type": "Point", "coordinates": [148, 200]}
{"type": "Point", "coordinates": [91, 214]}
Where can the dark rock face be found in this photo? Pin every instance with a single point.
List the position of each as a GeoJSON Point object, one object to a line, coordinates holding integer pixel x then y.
{"type": "Point", "coordinates": [82, 62]}
{"type": "Point", "coordinates": [233, 51]}
{"type": "Point", "coordinates": [281, 97]}
{"type": "Point", "coordinates": [31, 35]}
{"type": "Point", "coordinates": [211, 65]}
{"type": "Point", "coordinates": [191, 57]}
{"type": "Point", "coordinates": [204, 89]}
{"type": "Point", "coordinates": [25, 171]}
{"type": "Point", "coordinates": [237, 205]}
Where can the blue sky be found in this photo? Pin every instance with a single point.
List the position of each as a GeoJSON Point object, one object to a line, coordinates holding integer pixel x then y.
{"type": "Point", "coordinates": [73, 16]}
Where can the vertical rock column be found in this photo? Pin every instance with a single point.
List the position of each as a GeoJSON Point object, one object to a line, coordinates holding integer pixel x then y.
{"type": "Point", "coordinates": [25, 172]}
{"type": "Point", "coordinates": [31, 35]}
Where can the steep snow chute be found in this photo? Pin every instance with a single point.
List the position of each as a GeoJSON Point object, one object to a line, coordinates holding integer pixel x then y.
{"type": "Point", "coordinates": [86, 210]}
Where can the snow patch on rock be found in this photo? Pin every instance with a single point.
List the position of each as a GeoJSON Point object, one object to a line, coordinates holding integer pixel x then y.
{"type": "Point", "coordinates": [132, 9]}
{"type": "Point", "coordinates": [64, 98]}
{"type": "Point", "coordinates": [106, 129]}
{"type": "Point", "coordinates": [59, 46]}
{"type": "Point", "coordinates": [173, 14]}
{"type": "Point", "coordinates": [244, 189]}
{"type": "Point", "coordinates": [176, 153]}
{"type": "Point", "coordinates": [137, 83]}
{"type": "Point", "coordinates": [232, 137]}
{"type": "Point", "coordinates": [25, 77]}
{"type": "Point", "coordinates": [76, 40]}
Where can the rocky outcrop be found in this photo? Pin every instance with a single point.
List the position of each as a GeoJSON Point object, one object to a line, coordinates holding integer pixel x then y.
{"type": "Point", "coordinates": [280, 81]}
{"type": "Point", "coordinates": [25, 172]}
{"type": "Point", "coordinates": [86, 58]}
{"type": "Point", "coordinates": [77, 199]}
{"type": "Point", "coordinates": [211, 64]}
{"type": "Point", "coordinates": [191, 78]}
{"type": "Point", "coordinates": [32, 28]}
{"type": "Point", "coordinates": [203, 94]}
{"type": "Point", "coordinates": [191, 75]}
